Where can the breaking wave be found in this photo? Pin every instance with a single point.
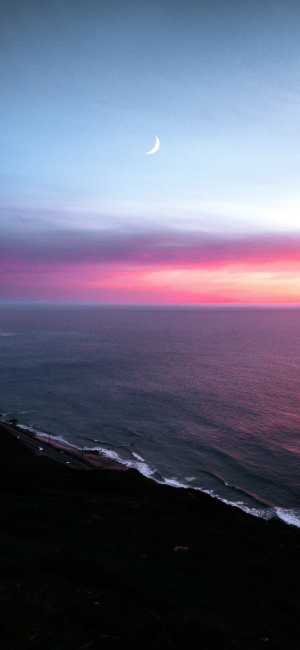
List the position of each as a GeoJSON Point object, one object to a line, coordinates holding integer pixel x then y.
{"type": "Point", "coordinates": [289, 516]}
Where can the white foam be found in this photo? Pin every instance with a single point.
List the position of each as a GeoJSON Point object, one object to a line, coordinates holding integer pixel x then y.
{"type": "Point", "coordinates": [26, 427]}
{"type": "Point", "coordinates": [108, 453]}
{"type": "Point", "coordinates": [7, 334]}
{"type": "Point", "coordinates": [289, 516]}
{"type": "Point", "coordinates": [64, 443]}
{"type": "Point", "coordinates": [263, 513]}
{"type": "Point", "coordinates": [138, 457]}
{"type": "Point", "coordinates": [41, 435]}
{"type": "Point", "coordinates": [174, 483]}
{"type": "Point", "coordinates": [142, 467]}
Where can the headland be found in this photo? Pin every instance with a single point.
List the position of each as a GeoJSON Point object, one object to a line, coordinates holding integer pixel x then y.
{"type": "Point", "coordinates": [110, 559]}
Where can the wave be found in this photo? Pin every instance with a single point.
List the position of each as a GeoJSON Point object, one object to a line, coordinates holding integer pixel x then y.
{"type": "Point", "coordinates": [141, 465]}
{"type": "Point", "coordinates": [138, 457]}
{"type": "Point", "coordinates": [42, 435]}
{"type": "Point", "coordinates": [290, 516]}
{"type": "Point", "coordinates": [263, 513]}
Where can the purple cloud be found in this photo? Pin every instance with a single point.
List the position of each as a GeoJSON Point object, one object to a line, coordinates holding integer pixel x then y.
{"type": "Point", "coordinates": [180, 249]}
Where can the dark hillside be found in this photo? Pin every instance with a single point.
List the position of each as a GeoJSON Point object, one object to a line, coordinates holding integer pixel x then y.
{"type": "Point", "coordinates": [87, 559]}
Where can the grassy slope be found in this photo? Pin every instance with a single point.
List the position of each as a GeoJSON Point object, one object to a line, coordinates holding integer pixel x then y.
{"type": "Point", "coordinates": [70, 539]}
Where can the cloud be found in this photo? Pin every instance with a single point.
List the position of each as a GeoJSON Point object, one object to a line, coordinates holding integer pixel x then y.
{"type": "Point", "coordinates": [183, 250]}
{"type": "Point", "coordinates": [150, 267]}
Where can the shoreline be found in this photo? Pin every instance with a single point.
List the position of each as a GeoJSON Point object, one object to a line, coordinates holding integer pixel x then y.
{"type": "Point", "coordinates": [60, 452]}
{"type": "Point", "coordinates": [112, 555]}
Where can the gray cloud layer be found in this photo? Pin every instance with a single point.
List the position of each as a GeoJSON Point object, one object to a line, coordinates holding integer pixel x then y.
{"type": "Point", "coordinates": [146, 249]}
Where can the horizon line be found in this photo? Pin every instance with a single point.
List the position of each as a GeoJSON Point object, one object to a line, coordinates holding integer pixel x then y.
{"type": "Point", "coordinates": [108, 305]}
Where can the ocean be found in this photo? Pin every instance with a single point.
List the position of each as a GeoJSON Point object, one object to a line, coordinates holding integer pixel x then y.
{"type": "Point", "coordinates": [202, 398]}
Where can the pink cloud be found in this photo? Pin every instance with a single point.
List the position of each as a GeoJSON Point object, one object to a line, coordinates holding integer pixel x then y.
{"type": "Point", "coordinates": [160, 268]}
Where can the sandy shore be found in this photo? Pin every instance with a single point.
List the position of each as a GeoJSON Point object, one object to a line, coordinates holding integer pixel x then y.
{"type": "Point", "coordinates": [61, 453]}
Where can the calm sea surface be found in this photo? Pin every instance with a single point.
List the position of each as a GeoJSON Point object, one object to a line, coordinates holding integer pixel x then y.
{"type": "Point", "coordinates": [202, 398]}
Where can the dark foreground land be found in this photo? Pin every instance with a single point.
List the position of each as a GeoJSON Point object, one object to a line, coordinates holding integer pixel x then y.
{"type": "Point", "coordinates": [87, 560]}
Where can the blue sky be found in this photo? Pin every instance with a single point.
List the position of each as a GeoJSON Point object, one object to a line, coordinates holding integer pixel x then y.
{"type": "Point", "coordinates": [86, 86]}
{"type": "Point", "coordinates": [214, 215]}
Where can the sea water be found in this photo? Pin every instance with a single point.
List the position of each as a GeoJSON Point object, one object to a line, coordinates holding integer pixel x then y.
{"type": "Point", "coordinates": [202, 398]}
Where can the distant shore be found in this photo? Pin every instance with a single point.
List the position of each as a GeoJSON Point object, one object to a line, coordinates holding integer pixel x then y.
{"type": "Point", "coordinates": [55, 449]}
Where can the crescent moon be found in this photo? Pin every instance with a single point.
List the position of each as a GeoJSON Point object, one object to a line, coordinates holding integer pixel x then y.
{"type": "Point", "coordinates": [155, 146]}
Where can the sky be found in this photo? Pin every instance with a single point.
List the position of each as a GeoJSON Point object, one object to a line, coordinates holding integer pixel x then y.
{"type": "Point", "coordinates": [214, 215]}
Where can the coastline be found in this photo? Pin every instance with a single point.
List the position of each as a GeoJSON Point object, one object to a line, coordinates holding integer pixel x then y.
{"type": "Point", "coordinates": [60, 452]}
{"type": "Point", "coordinates": [55, 447]}
{"type": "Point", "coordinates": [104, 558]}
